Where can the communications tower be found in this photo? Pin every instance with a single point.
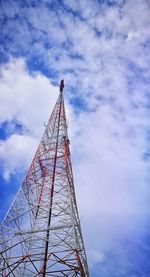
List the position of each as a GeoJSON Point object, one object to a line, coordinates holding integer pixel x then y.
{"type": "Point", "coordinates": [41, 233]}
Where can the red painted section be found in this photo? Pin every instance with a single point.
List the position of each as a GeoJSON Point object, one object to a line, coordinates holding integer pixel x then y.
{"type": "Point", "coordinates": [80, 264]}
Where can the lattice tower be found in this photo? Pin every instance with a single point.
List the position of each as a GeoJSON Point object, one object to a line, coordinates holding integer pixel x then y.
{"type": "Point", "coordinates": [41, 233]}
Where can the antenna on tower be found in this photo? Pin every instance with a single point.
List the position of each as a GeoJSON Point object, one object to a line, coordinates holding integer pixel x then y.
{"type": "Point", "coordinates": [61, 87]}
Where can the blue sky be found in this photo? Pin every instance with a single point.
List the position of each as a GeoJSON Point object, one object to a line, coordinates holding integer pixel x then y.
{"type": "Point", "coordinates": [102, 50]}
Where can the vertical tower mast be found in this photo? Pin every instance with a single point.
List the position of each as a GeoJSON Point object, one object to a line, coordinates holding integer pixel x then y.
{"type": "Point", "coordinates": [41, 233]}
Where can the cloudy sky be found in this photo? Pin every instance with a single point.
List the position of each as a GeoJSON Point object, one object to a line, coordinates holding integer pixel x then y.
{"type": "Point", "coordinates": [102, 50]}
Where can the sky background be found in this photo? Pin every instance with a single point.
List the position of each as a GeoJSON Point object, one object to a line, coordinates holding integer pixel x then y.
{"type": "Point", "coordinates": [102, 50]}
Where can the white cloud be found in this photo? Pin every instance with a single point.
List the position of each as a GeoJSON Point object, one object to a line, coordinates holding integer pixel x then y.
{"type": "Point", "coordinates": [110, 170]}
{"type": "Point", "coordinates": [13, 153]}
{"type": "Point", "coordinates": [29, 100]}
{"type": "Point", "coordinates": [133, 35]}
{"type": "Point", "coordinates": [25, 97]}
{"type": "Point", "coordinates": [95, 256]}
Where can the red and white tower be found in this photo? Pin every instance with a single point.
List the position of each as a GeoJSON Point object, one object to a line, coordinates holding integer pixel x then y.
{"type": "Point", "coordinates": [41, 233]}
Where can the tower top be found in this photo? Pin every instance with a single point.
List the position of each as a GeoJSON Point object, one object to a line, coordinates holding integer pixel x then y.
{"type": "Point", "coordinates": [61, 87]}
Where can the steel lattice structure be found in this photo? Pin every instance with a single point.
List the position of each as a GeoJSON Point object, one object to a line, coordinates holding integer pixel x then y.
{"type": "Point", "coordinates": [41, 233]}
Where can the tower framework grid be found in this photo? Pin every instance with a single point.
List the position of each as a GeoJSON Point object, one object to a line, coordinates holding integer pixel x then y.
{"type": "Point", "coordinates": [41, 232]}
